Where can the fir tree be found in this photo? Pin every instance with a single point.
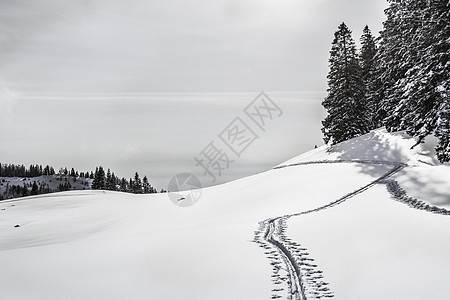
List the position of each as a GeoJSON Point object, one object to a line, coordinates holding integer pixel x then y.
{"type": "Point", "coordinates": [443, 134]}
{"type": "Point", "coordinates": [113, 182]}
{"type": "Point", "coordinates": [137, 184]}
{"type": "Point", "coordinates": [415, 68]}
{"type": "Point", "coordinates": [99, 179]}
{"type": "Point", "coordinates": [123, 185]}
{"type": "Point", "coordinates": [24, 191]}
{"type": "Point", "coordinates": [147, 188]}
{"type": "Point", "coordinates": [390, 54]}
{"type": "Point", "coordinates": [94, 185]}
{"type": "Point", "coordinates": [426, 84]}
{"type": "Point", "coordinates": [368, 64]}
{"type": "Point", "coordinates": [345, 103]}
{"type": "Point", "coordinates": [109, 186]}
{"type": "Point", "coordinates": [34, 188]}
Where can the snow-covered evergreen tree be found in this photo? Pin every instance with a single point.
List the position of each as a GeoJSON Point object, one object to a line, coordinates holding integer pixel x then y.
{"type": "Point", "coordinates": [367, 58]}
{"type": "Point", "coordinates": [367, 54]}
{"type": "Point", "coordinates": [415, 51]}
{"type": "Point", "coordinates": [392, 66]}
{"type": "Point", "coordinates": [443, 133]}
{"type": "Point", "coordinates": [428, 81]}
{"type": "Point", "coordinates": [345, 103]}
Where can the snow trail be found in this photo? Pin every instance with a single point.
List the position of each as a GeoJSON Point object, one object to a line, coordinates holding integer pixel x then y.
{"type": "Point", "coordinates": [303, 278]}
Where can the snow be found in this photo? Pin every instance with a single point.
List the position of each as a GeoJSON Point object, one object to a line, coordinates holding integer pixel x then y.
{"type": "Point", "coordinates": [110, 245]}
{"type": "Point", "coordinates": [376, 145]}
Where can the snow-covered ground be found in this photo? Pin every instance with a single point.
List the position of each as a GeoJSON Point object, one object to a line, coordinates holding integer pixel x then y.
{"type": "Point", "coordinates": [368, 216]}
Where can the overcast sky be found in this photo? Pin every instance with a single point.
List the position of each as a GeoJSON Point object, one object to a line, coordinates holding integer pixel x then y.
{"type": "Point", "coordinates": [79, 80]}
{"type": "Point", "coordinates": [174, 45]}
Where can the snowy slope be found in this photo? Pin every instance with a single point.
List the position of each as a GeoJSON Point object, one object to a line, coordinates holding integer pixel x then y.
{"type": "Point", "coordinates": [367, 217]}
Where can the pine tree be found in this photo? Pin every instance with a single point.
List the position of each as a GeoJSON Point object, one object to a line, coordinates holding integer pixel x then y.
{"type": "Point", "coordinates": [24, 191]}
{"type": "Point", "coordinates": [390, 68]}
{"type": "Point", "coordinates": [426, 84]}
{"type": "Point", "coordinates": [405, 116]}
{"type": "Point", "coordinates": [414, 52]}
{"type": "Point", "coordinates": [99, 179]}
{"type": "Point", "coordinates": [368, 66]}
{"type": "Point", "coordinates": [94, 185]}
{"type": "Point", "coordinates": [146, 185]}
{"type": "Point", "coordinates": [137, 184]}
{"type": "Point", "coordinates": [113, 182]}
{"type": "Point", "coordinates": [108, 180]}
{"type": "Point", "coordinates": [123, 185]}
{"type": "Point", "coordinates": [443, 133]}
{"type": "Point", "coordinates": [34, 188]}
{"type": "Point", "coordinates": [345, 103]}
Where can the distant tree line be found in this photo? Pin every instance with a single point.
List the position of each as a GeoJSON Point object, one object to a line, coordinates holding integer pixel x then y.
{"type": "Point", "coordinates": [110, 181]}
{"type": "Point", "coordinates": [400, 80]}
{"type": "Point", "coordinates": [100, 181]}
{"type": "Point", "coordinates": [29, 189]}
{"type": "Point", "coordinates": [11, 170]}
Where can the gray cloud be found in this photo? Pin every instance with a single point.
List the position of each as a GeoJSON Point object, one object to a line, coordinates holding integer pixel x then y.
{"type": "Point", "coordinates": [150, 46]}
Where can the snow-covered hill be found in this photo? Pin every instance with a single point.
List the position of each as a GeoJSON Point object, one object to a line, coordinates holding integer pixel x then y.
{"type": "Point", "coordinates": [49, 183]}
{"type": "Point", "coordinates": [366, 219]}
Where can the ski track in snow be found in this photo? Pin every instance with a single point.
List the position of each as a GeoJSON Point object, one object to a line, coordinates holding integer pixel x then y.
{"type": "Point", "coordinates": [291, 263]}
